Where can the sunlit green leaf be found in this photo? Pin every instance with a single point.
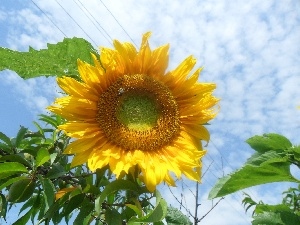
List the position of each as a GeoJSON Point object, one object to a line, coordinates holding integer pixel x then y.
{"type": "Point", "coordinates": [6, 139]}
{"type": "Point", "coordinates": [42, 156]}
{"type": "Point", "coordinates": [259, 159]}
{"type": "Point", "coordinates": [9, 168]}
{"type": "Point", "coordinates": [176, 217]}
{"type": "Point", "coordinates": [53, 157]}
{"type": "Point", "coordinates": [269, 142]}
{"type": "Point", "coordinates": [39, 128]}
{"type": "Point", "coordinates": [249, 176]}
{"type": "Point", "coordinates": [136, 209]}
{"type": "Point", "coordinates": [59, 59]}
{"type": "Point", "coordinates": [49, 120]}
{"type": "Point", "coordinates": [268, 218]}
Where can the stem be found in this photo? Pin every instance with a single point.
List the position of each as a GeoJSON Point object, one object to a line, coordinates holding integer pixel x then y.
{"type": "Point", "coordinates": [197, 205]}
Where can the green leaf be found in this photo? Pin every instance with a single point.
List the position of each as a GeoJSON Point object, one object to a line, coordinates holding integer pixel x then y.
{"type": "Point", "coordinates": [269, 142]}
{"type": "Point", "coordinates": [85, 211]}
{"type": "Point", "coordinates": [20, 158]}
{"type": "Point", "coordinates": [52, 210]}
{"type": "Point", "coordinates": [249, 176]}
{"type": "Point", "coordinates": [113, 217]}
{"type": "Point", "coordinates": [4, 138]}
{"type": "Point", "coordinates": [28, 203]}
{"type": "Point", "coordinates": [20, 136]}
{"type": "Point", "coordinates": [9, 168]}
{"type": "Point", "coordinates": [136, 209]}
{"type": "Point", "coordinates": [4, 147]}
{"type": "Point", "coordinates": [112, 187]}
{"type": "Point", "coordinates": [176, 217]}
{"type": "Point", "coordinates": [295, 150]}
{"type": "Point", "coordinates": [155, 215]}
{"type": "Point", "coordinates": [268, 218]}
{"type": "Point", "coordinates": [39, 128]}
{"type": "Point", "coordinates": [56, 171]}
{"type": "Point", "coordinates": [258, 159]}
{"type": "Point", "coordinates": [49, 191]}
{"type": "Point", "coordinates": [3, 206]}
{"type": "Point", "coordinates": [24, 219]}
{"type": "Point", "coordinates": [59, 59]}
{"type": "Point", "coordinates": [74, 203]}
{"type": "Point", "coordinates": [49, 120]}
{"type": "Point", "coordinates": [42, 156]}
{"type": "Point", "coordinates": [10, 181]}
{"type": "Point", "coordinates": [53, 157]}
{"type": "Point", "coordinates": [21, 190]}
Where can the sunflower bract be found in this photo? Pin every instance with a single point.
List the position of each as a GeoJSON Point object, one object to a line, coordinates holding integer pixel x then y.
{"type": "Point", "coordinates": [130, 114]}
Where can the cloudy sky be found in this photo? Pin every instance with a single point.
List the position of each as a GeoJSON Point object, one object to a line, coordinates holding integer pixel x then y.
{"type": "Point", "coordinates": [250, 49]}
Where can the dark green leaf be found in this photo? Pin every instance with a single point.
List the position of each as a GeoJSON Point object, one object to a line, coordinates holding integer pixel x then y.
{"type": "Point", "coordinates": [52, 210]}
{"type": "Point", "coordinates": [10, 181]}
{"type": "Point", "coordinates": [20, 136]}
{"type": "Point", "coordinates": [113, 217]}
{"type": "Point", "coordinates": [49, 191]}
{"type": "Point", "coordinates": [9, 168]}
{"type": "Point", "coordinates": [58, 59]}
{"type": "Point", "coordinates": [74, 203]}
{"type": "Point", "coordinates": [249, 176]}
{"type": "Point", "coordinates": [84, 213]}
{"type": "Point", "coordinates": [155, 215]}
{"type": "Point", "coordinates": [21, 190]}
{"type": "Point", "coordinates": [112, 187]}
{"type": "Point", "coordinates": [56, 171]}
{"type": "Point", "coordinates": [269, 142]}
{"type": "Point", "coordinates": [24, 219]}
{"type": "Point", "coordinates": [28, 204]}
{"type": "Point", "coordinates": [3, 206]}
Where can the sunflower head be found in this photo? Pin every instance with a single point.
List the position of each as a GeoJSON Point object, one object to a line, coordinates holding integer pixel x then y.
{"type": "Point", "coordinates": [130, 114]}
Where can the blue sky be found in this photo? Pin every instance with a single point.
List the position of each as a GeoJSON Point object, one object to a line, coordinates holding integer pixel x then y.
{"type": "Point", "coordinates": [249, 49]}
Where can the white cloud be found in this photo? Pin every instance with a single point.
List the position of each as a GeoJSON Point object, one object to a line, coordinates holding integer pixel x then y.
{"type": "Point", "coordinates": [35, 94]}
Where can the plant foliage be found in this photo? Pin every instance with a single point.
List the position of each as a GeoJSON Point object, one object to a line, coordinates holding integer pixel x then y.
{"type": "Point", "coordinates": [57, 60]}
{"type": "Point", "coordinates": [270, 163]}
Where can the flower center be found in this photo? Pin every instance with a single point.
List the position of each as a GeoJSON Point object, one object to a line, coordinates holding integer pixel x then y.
{"type": "Point", "coordinates": [138, 112]}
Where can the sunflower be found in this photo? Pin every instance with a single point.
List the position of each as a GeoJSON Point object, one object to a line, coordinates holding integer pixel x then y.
{"type": "Point", "coordinates": [130, 114]}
